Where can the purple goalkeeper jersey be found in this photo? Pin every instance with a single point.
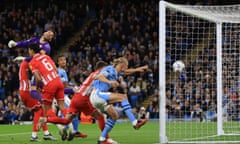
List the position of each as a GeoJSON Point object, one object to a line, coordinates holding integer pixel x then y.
{"type": "Point", "coordinates": [43, 46]}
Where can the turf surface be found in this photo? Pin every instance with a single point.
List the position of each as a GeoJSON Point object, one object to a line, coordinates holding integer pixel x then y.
{"type": "Point", "coordinates": [122, 132]}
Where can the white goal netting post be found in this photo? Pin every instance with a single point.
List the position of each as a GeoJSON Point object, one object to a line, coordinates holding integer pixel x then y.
{"type": "Point", "coordinates": [202, 103]}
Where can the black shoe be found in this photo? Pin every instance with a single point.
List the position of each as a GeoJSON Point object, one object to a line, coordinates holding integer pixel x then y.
{"type": "Point", "coordinates": [34, 139]}
{"type": "Point", "coordinates": [49, 137]}
{"type": "Point", "coordinates": [63, 134]}
{"type": "Point", "coordinates": [82, 135]}
{"type": "Point", "coordinates": [70, 136]}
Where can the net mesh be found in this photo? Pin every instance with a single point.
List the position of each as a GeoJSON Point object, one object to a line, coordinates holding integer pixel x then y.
{"type": "Point", "coordinates": [191, 96]}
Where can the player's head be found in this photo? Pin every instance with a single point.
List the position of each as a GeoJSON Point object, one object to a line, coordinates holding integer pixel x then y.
{"type": "Point", "coordinates": [48, 35]}
{"type": "Point", "coordinates": [33, 49]}
{"type": "Point", "coordinates": [121, 63]}
{"type": "Point", "coordinates": [61, 61]}
{"type": "Point", "coordinates": [100, 65]}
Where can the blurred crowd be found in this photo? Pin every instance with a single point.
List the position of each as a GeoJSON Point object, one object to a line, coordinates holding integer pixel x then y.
{"type": "Point", "coordinates": [114, 29]}
{"type": "Point", "coordinates": [118, 28]}
{"type": "Point", "coordinates": [192, 94]}
{"type": "Point", "coordinates": [21, 22]}
{"type": "Point", "coordinates": [121, 28]}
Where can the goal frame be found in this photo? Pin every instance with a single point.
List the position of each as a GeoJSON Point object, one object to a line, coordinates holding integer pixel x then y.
{"type": "Point", "coordinates": [162, 66]}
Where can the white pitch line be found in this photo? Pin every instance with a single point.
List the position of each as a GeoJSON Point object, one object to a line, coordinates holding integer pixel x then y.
{"type": "Point", "coordinates": [15, 134]}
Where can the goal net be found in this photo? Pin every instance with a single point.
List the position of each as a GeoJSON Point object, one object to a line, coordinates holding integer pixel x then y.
{"type": "Point", "coordinates": [202, 103]}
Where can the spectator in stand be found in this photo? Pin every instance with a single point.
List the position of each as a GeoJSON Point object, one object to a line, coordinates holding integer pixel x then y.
{"type": "Point", "coordinates": [143, 114]}
{"type": "Point", "coordinates": [4, 117]}
{"type": "Point", "coordinates": [141, 82]}
{"type": "Point", "coordinates": [135, 94]}
{"type": "Point", "coordinates": [2, 89]}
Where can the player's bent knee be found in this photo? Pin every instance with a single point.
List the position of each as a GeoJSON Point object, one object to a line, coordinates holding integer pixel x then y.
{"type": "Point", "coordinates": [123, 97]}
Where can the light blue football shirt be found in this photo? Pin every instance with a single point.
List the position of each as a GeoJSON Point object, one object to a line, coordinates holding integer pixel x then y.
{"type": "Point", "coordinates": [111, 74]}
{"type": "Point", "coordinates": [63, 75]}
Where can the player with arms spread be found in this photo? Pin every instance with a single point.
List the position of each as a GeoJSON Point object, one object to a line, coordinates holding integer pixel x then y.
{"type": "Point", "coordinates": [102, 99]}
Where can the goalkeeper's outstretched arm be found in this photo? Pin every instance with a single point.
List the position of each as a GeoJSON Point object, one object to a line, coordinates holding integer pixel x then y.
{"type": "Point", "coordinates": [24, 43]}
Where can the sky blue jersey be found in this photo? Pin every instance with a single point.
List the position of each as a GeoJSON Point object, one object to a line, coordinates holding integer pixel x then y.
{"type": "Point", "coordinates": [63, 75]}
{"type": "Point", "coordinates": [111, 74]}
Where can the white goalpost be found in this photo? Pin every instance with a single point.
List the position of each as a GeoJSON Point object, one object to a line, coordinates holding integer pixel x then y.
{"type": "Point", "coordinates": [202, 103]}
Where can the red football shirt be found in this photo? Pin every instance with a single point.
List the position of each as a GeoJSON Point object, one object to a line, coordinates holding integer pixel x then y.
{"type": "Point", "coordinates": [86, 87]}
{"type": "Point", "coordinates": [25, 83]}
{"type": "Point", "coordinates": [45, 66]}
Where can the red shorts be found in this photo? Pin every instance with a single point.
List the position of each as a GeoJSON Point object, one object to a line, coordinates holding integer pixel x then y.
{"type": "Point", "coordinates": [28, 101]}
{"type": "Point", "coordinates": [54, 89]}
{"type": "Point", "coordinates": [81, 103]}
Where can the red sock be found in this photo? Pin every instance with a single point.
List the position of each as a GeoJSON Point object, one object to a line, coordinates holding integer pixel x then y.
{"type": "Point", "coordinates": [45, 127]}
{"type": "Point", "coordinates": [101, 123]}
{"type": "Point", "coordinates": [36, 117]}
{"type": "Point", "coordinates": [64, 112]}
{"type": "Point", "coordinates": [51, 113]}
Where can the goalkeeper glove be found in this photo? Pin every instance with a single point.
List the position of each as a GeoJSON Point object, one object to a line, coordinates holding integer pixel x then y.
{"type": "Point", "coordinates": [19, 58]}
{"type": "Point", "coordinates": [12, 44]}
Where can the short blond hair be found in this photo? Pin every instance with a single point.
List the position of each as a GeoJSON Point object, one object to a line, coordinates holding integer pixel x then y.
{"type": "Point", "coordinates": [119, 60]}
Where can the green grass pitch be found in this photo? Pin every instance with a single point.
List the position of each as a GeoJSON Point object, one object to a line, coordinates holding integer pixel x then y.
{"type": "Point", "coordinates": [122, 133]}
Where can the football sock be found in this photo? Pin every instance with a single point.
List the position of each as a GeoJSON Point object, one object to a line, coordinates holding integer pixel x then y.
{"type": "Point", "coordinates": [36, 117]}
{"type": "Point", "coordinates": [75, 123]}
{"type": "Point", "coordinates": [128, 110]}
{"type": "Point", "coordinates": [108, 127]}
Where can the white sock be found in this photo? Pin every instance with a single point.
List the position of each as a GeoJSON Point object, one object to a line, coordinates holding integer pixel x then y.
{"type": "Point", "coordinates": [46, 132]}
{"type": "Point", "coordinates": [102, 138]}
{"type": "Point", "coordinates": [134, 122]}
{"type": "Point", "coordinates": [70, 125]}
{"type": "Point", "coordinates": [60, 127]}
{"type": "Point", "coordinates": [34, 134]}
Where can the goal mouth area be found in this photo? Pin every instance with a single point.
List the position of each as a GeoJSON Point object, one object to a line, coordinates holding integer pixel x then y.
{"type": "Point", "coordinates": [205, 142]}
{"type": "Point", "coordinates": [201, 132]}
{"type": "Point", "coordinates": [201, 104]}
{"type": "Point", "coordinates": [211, 139]}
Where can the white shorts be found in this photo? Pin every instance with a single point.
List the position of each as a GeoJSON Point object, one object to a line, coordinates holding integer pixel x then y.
{"type": "Point", "coordinates": [97, 101]}
{"type": "Point", "coordinates": [67, 101]}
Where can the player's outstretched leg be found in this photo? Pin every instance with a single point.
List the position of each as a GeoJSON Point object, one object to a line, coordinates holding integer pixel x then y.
{"type": "Point", "coordinates": [140, 123]}
{"type": "Point", "coordinates": [128, 111]}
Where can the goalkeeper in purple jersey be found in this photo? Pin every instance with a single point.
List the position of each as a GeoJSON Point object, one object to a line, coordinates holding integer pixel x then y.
{"type": "Point", "coordinates": [43, 42]}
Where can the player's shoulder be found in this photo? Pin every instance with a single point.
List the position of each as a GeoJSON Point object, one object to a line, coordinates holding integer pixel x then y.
{"type": "Point", "coordinates": [109, 68]}
{"type": "Point", "coordinates": [24, 64]}
{"type": "Point", "coordinates": [60, 70]}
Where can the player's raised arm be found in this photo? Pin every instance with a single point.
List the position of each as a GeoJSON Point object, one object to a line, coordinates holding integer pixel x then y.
{"type": "Point", "coordinates": [103, 78]}
{"type": "Point", "coordinates": [133, 70]}
{"type": "Point", "coordinates": [24, 43]}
